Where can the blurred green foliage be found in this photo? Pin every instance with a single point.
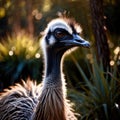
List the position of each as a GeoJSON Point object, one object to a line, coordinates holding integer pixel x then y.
{"type": "Point", "coordinates": [43, 11]}
{"type": "Point", "coordinates": [99, 96]}
{"type": "Point", "coordinates": [19, 59]}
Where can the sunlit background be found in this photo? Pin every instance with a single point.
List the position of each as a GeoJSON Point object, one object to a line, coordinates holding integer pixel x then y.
{"type": "Point", "coordinates": [22, 21]}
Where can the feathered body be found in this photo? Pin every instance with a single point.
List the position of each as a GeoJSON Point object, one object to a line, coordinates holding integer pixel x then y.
{"type": "Point", "coordinates": [19, 102]}
{"type": "Point", "coordinates": [25, 102]}
{"type": "Point", "coordinates": [47, 101]}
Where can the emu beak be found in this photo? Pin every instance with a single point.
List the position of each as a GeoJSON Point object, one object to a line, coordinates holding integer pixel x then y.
{"type": "Point", "coordinates": [78, 41]}
{"type": "Point", "coordinates": [75, 41]}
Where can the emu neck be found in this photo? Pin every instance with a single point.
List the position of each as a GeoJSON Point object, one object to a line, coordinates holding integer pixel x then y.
{"type": "Point", "coordinates": [51, 105]}
{"type": "Point", "coordinates": [53, 68]}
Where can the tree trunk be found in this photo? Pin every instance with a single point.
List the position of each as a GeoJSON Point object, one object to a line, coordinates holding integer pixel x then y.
{"type": "Point", "coordinates": [99, 29]}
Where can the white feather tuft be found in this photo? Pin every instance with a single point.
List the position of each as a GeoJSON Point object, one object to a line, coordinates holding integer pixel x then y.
{"type": "Point", "coordinates": [58, 23]}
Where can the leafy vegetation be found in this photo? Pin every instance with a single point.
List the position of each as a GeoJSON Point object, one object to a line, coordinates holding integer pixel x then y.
{"type": "Point", "coordinates": [99, 97]}
{"type": "Point", "coordinates": [19, 58]}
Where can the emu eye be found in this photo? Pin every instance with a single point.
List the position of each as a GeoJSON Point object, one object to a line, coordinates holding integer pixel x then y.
{"type": "Point", "coordinates": [60, 33]}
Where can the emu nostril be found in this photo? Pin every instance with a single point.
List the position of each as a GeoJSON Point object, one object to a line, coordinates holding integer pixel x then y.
{"type": "Point", "coordinates": [81, 41]}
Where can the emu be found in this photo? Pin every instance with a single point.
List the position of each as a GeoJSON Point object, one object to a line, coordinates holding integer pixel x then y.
{"type": "Point", "coordinates": [45, 101]}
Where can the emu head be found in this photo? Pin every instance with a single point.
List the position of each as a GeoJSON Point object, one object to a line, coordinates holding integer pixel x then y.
{"type": "Point", "coordinates": [62, 34]}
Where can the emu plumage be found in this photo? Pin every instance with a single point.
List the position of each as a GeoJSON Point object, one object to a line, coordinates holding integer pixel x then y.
{"type": "Point", "coordinates": [46, 101]}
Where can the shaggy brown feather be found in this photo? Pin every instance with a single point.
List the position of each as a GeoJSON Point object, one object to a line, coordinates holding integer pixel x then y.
{"type": "Point", "coordinates": [26, 102]}
{"type": "Point", "coordinates": [19, 101]}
